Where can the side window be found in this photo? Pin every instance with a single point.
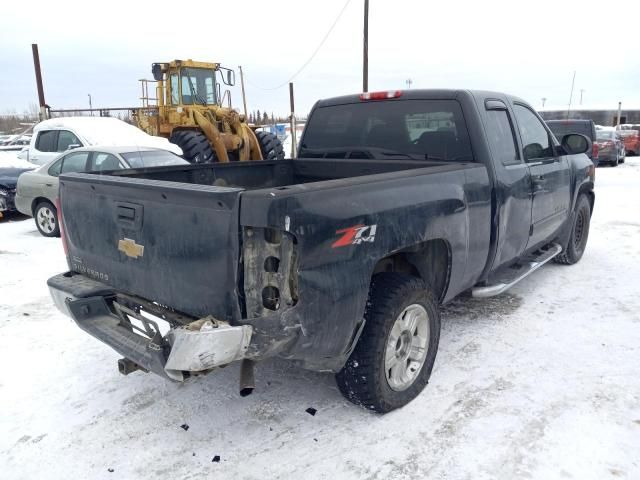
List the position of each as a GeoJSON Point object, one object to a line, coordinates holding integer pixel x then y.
{"type": "Point", "coordinates": [104, 161]}
{"type": "Point", "coordinates": [54, 170]}
{"type": "Point", "coordinates": [66, 139]}
{"type": "Point", "coordinates": [189, 89]}
{"type": "Point", "coordinates": [535, 139]}
{"type": "Point", "coordinates": [75, 162]}
{"type": "Point", "coordinates": [175, 92]}
{"type": "Point", "coordinates": [501, 139]}
{"type": "Point", "coordinates": [46, 141]}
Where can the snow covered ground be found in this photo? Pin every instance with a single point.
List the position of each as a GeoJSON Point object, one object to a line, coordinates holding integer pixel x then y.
{"type": "Point", "coordinates": [542, 382]}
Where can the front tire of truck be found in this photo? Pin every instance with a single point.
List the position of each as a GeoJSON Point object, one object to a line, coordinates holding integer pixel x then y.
{"type": "Point", "coordinates": [579, 233]}
{"type": "Point", "coordinates": [393, 359]}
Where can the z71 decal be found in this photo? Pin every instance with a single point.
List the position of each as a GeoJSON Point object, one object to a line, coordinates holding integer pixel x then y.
{"type": "Point", "coordinates": [355, 235]}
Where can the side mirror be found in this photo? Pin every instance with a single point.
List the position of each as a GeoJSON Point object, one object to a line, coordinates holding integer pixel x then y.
{"type": "Point", "coordinates": [73, 145]}
{"type": "Point", "coordinates": [574, 144]}
{"type": "Point", "coordinates": [231, 78]}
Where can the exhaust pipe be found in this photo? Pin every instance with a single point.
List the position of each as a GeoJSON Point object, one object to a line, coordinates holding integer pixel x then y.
{"type": "Point", "coordinates": [247, 378]}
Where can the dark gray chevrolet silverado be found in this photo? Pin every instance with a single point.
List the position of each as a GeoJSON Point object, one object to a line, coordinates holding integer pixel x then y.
{"type": "Point", "coordinates": [336, 260]}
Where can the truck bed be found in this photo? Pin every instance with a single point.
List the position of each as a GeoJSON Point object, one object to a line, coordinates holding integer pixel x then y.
{"type": "Point", "coordinates": [273, 174]}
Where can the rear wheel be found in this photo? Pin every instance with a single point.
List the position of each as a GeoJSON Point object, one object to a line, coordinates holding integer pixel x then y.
{"type": "Point", "coordinates": [195, 146]}
{"type": "Point", "coordinates": [392, 362]}
{"type": "Point", "coordinates": [614, 163]}
{"type": "Point", "coordinates": [579, 233]}
{"type": "Point", "coordinates": [46, 217]}
{"type": "Point", "coordinates": [270, 146]}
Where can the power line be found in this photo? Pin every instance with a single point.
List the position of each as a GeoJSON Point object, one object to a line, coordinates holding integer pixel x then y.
{"type": "Point", "coordinates": [304, 65]}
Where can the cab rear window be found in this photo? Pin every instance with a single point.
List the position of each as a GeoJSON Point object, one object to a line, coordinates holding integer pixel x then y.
{"type": "Point", "coordinates": [416, 129]}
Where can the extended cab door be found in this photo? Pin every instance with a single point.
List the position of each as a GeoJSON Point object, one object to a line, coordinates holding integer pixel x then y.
{"type": "Point", "coordinates": [513, 183]}
{"type": "Point", "coordinates": [550, 176]}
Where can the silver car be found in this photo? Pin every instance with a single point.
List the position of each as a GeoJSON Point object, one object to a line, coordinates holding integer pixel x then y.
{"type": "Point", "coordinates": [37, 191]}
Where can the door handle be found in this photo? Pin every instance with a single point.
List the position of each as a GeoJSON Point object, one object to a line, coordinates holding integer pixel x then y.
{"type": "Point", "coordinates": [539, 183]}
{"type": "Point", "coordinates": [539, 180]}
{"type": "Point", "coordinates": [49, 184]}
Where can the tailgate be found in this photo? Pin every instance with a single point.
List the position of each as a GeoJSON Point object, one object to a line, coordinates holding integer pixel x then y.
{"type": "Point", "coordinates": [175, 244]}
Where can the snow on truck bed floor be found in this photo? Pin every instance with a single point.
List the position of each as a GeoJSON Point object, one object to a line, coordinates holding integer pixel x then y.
{"type": "Point", "coordinates": [542, 382]}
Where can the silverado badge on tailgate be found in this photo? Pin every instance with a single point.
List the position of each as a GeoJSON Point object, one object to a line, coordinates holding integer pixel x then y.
{"type": "Point", "coordinates": [130, 248]}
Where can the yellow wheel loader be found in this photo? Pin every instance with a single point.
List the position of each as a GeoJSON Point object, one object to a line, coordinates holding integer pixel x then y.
{"type": "Point", "coordinates": [189, 109]}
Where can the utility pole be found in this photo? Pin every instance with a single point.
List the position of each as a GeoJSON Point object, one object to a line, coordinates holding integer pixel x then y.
{"type": "Point", "coordinates": [544, 100]}
{"type": "Point", "coordinates": [90, 107]}
{"type": "Point", "coordinates": [571, 94]}
{"type": "Point", "coordinates": [365, 49]}
{"type": "Point", "coordinates": [582, 90]}
{"type": "Point", "coordinates": [292, 122]}
{"type": "Point", "coordinates": [408, 81]}
{"type": "Point", "coordinates": [244, 99]}
{"type": "Point", "coordinates": [36, 65]}
{"type": "Point", "coordinates": [619, 113]}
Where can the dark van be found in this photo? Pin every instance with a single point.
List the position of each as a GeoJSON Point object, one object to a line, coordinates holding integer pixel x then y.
{"type": "Point", "coordinates": [560, 128]}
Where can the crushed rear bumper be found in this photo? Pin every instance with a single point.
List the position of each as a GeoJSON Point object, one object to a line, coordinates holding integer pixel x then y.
{"type": "Point", "coordinates": [192, 347]}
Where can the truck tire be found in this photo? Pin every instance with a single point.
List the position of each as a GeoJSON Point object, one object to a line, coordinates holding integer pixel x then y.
{"type": "Point", "coordinates": [270, 146]}
{"type": "Point", "coordinates": [394, 356]}
{"type": "Point", "coordinates": [195, 146]}
{"type": "Point", "coordinates": [579, 233]}
{"type": "Point", "coordinates": [46, 217]}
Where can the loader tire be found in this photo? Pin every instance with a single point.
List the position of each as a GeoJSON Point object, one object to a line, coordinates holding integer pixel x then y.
{"type": "Point", "coordinates": [195, 146]}
{"type": "Point", "coordinates": [270, 146]}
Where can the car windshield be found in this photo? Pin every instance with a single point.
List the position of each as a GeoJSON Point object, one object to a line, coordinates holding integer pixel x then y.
{"type": "Point", "coordinates": [152, 158]}
{"type": "Point", "coordinates": [398, 129]}
{"type": "Point", "coordinates": [604, 135]}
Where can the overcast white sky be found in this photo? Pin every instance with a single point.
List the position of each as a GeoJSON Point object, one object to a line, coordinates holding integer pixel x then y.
{"type": "Point", "coordinates": [527, 48]}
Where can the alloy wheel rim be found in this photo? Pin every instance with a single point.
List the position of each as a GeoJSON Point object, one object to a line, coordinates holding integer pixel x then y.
{"type": "Point", "coordinates": [406, 349]}
{"type": "Point", "coordinates": [46, 220]}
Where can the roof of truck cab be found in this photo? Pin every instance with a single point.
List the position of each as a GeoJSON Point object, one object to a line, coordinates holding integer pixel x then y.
{"type": "Point", "coordinates": [420, 94]}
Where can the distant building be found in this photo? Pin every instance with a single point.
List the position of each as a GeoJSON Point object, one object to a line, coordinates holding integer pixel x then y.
{"type": "Point", "coordinates": [600, 116]}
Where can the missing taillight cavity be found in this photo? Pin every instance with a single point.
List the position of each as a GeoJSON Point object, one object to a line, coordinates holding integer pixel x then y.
{"type": "Point", "coordinates": [271, 297]}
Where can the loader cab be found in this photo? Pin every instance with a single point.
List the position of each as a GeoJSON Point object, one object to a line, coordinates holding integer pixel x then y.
{"type": "Point", "coordinates": [192, 86]}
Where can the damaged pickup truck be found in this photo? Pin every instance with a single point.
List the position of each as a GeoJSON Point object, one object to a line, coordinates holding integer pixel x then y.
{"type": "Point", "coordinates": [336, 260]}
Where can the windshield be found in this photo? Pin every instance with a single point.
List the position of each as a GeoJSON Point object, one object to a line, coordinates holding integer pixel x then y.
{"type": "Point", "coordinates": [415, 129]}
{"type": "Point", "coordinates": [604, 135]}
{"type": "Point", "coordinates": [152, 158]}
{"type": "Point", "coordinates": [198, 86]}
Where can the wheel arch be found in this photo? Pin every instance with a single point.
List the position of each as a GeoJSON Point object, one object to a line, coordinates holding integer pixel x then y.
{"type": "Point", "coordinates": [38, 200]}
{"type": "Point", "coordinates": [429, 260]}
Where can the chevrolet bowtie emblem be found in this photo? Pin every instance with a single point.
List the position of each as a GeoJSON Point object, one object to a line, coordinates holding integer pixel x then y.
{"type": "Point", "coordinates": [130, 248]}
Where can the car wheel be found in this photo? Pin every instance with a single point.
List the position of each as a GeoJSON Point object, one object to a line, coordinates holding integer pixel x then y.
{"type": "Point", "coordinates": [46, 217]}
{"type": "Point", "coordinates": [579, 233]}
{"type": "Point", "coordinates": [392, 361]}
{"type": "Point", "coordinates": [614, 163]}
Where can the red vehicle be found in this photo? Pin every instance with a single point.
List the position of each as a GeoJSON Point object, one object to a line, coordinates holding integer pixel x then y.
{"type": "Point", "coordinates": [631, 140]}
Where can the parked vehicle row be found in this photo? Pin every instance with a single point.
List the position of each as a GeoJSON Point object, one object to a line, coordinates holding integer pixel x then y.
{"type": "Point", "coordinates": [37, 190]}
{"type": "Point", "coordinates": [57, 135]}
